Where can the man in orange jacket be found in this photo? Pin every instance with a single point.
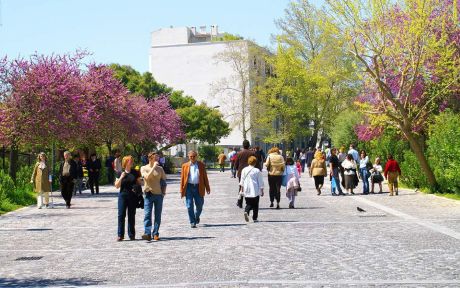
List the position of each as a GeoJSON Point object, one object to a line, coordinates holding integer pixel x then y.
{"type": "Point", "coordinates": [193, 183]}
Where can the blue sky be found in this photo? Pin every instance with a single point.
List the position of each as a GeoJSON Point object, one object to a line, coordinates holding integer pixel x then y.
{"type": "Point", "coordinates": [118, 31]}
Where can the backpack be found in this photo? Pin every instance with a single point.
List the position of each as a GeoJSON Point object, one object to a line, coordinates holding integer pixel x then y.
{"type": "Point", "coordinates": [234, 157]}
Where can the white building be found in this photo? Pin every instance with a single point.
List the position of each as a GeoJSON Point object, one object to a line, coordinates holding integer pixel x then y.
{"type": "Point", "coordinates": [185, 59]}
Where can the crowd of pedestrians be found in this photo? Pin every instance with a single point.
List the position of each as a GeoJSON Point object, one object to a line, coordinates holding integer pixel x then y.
{"type": "Point", "coordinates": [146, 187]}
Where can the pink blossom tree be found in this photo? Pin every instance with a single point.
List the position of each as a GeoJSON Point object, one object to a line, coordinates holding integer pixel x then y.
{"type": "Point", "coordinates": [410, 57]}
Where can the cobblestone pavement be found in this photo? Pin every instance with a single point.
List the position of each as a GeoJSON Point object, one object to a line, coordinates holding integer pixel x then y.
{"type": "Point", "coordinates": [412, 240]}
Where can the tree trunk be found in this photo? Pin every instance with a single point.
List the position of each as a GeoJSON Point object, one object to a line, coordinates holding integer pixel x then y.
{"type": "Point", "coordinates": [13, 162]}
{"type": "Point", "coordinates": [109, 146]}
{"type": "Point", "coordinates": [417, 148]}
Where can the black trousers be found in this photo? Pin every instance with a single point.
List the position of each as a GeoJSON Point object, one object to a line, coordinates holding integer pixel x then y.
{"type": "Point", "coordinates": [274, 182]}
{"type": "Point", "coordinates": [126, 201]}
{"type": "Point", "coordinates": [252, 203]}
{"type": "Point", "coordinates": [319, 180]}
{"type": "Point", "coordinates": [93, 181]}
{"type": "Point", "coordinates": [110, 175]}
{"type": "Point", "coordinates": [67, 189]}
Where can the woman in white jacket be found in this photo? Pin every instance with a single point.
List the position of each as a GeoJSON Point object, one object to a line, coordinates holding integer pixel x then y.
{"type": "Point", "coordinates": [253, 187]}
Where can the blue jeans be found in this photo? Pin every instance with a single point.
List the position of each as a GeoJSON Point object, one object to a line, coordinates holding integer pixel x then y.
{"type": "Point", "coordinates": [192, 195]}
{"type": "Point", "coordinates": [335, 175]}
{"type": "Point", "coordinates": [156, 202]}
{"type": "Point", "coordinates": [126, 201]}
{"type": "Point", "coordinates": [365, 178]}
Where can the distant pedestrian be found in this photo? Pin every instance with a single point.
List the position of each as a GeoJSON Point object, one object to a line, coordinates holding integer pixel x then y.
{"type": "Point", "coordinates": [79, 180]}
{"type": "Point", "coordinates": [153, 175]}
{"type": "Point", "coordinates": [242, 162]}
{"type": "Point", "coordinates": [41, 181]}
{"type": "Point", "coordinates": [335, 171]}
{"type": "Point", "coordinates": [162, 160]}
{"type": "Point", "coordinates": [275, 167]}
{"type": "Point", "coordinates": [127, 199]}
{"type": "Point", "coordinates": [94, 172]}
{"type": "Point", "coordinates": [221, 160]}
{"type": "Point", "coordinates": [354, 153]}
{"type": "Point", "coordinates": [67, 175]}
{"type": "Point", "coordinates": [376, 175]}
{"type": "Point", "coordinates": [364, 167]}
{"type": "Point", "coordinates": [309, 158]}
{"type": "Point", "coordinates": [299, 167]}
{"type": "Point", "coordinates": [392, 172]}
{"type": "Point", "coordinates": [232, 158]}
{"type": "Point", "coordinates": [318, 170]}
{"type": "Point", "coordinates": [292, 181]}
{"type": "Point", "coordinates": [117, 167]}
{"type": "Point", "coordinates": [302, 160]}
{"type": "Point", "coordinates": [351, 179]}
{"type": "Point", "coordinates": [342, 156]}
{"type": "Point", "coordinates": [110, 172]}
{"type": "Point", "coordinates": [253, 188]}
{"type": "Point", "coordinates": [260, 155]}
{"type": "Point", "coordinates": [297, 154]}
{"type": "Point", "coordinates": [193, 184]}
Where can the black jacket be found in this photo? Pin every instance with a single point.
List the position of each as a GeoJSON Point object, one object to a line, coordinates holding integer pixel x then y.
{"type": "Point", "coordinates": [93, 165]}
{"type": "Point", "coordinates": [73, 171]}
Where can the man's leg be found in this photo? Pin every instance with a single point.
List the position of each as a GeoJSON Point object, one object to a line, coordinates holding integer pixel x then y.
{"type": "Point", "coordinates": [91, 182]}
{"type": "Point", "coordinates": [148, 203]}
{"type": "Point", "coordinates": [158, 205]}
{"type": "Point", "coordinates": [189, 204]}
{"type": "Point", "coordinates": [199, 202]}
{"type": "Point", "coordinates": [96, 182]}
{"type": "Point", "coordinates": [255, 209]}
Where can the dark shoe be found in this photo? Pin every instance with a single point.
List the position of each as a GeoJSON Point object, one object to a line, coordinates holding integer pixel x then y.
{"type": "Point", "coordinates": [353, 193]}
{"type": "Point", "coordinates": [342, 194]}
{"type": "Point", "coordinates": [255, 220]}
{"type": "Point", "coordinates": [197, 220]}
{"type": "Point", "coordinates": [146, 237]}
{"type": "Point", "coordinates": [319, 191]}
{"type": "Point", "coordinates": [333, 194]}
{"type": "Point", "coordinates": [278, 206]}
{"type": "Point", "coordinates": [193, 225]}
{"type": "Point", "coordinates": [120, 238]}
{"type": "Point", "coordinates": [246, 216]}
{"type": "Point", "coordinates": [271, 205]}
{"type": "Point", "coordinates": [132, 238]}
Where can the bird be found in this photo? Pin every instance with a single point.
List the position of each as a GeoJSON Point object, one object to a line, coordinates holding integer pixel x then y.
{"type": "Point", "coordinates": [360, 209]}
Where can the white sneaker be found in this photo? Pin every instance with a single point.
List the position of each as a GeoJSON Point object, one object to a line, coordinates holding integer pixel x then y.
{"type": "Point", "coordinates": [246, 216]}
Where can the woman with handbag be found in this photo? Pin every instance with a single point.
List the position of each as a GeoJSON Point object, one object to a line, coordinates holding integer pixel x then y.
{"type": "Point", "coordinates": [127, 199]}
{"type": "Point", "coordinates": [318, 170]}
{"type": "Point", "coordinates": [376, 175]}
{"type": "Point", "coordinates": [349, 166]}
{"type": "Point", "coordinates": [292, 181]}
{"type": "Point", "coordinates": [40, 179]}
{"type": "Point", "coordinates": [275, 167]}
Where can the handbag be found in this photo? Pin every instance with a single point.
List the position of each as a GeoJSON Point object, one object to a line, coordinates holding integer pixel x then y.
{"type": "Point", "coordinates": [137, 190]}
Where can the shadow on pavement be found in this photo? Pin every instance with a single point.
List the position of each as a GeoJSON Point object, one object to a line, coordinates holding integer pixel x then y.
{"type": "Point", "coordinates": [279, 221]}
{"type": "Point", "coordinates": [297, 208]}
{"type": "Point", "coordinates": [183, 238]}
{"type": "Point", "coordinates": [37, 282]}
{"type": "Point", "coordinates": [221, 225]}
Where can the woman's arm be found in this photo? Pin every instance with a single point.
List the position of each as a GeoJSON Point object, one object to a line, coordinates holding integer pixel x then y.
{"type": "Point", "coordinates": [118, 182]}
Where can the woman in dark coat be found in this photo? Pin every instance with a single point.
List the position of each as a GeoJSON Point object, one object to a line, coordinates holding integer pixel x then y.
{"type": "Point", "coordinates": [67, 176]}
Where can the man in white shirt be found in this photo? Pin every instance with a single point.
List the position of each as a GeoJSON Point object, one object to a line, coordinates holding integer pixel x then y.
{"type": "Point", "coordinates": [194, 183]}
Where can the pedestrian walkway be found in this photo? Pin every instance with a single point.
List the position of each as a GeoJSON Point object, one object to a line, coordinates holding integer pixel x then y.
{"type": "Point", "coordinates": [411, 240]}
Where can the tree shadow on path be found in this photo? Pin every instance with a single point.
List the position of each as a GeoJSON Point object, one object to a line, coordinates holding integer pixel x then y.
{"type": "Point", "coordinates": [38, 282]}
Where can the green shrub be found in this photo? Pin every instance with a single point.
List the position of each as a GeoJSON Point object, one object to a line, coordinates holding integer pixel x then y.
{"type": "Point", "coordinates": [13, 196]}
{"type": "Point", "coordinates": [412, 174]}
{"type": "Point", "coordinates": [209, 153]}
{"type": "Point", "coordinates": [444, 151]}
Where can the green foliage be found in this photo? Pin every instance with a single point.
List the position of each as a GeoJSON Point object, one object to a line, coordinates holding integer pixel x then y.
{"type": "Point", "coordinates": [13, 196]}
{"type": "Point", "coordinates": [444, 151]}
{"type": "Point", "coordinates": [209, 153]}
{"type": "Point", "coordinates": [390, 142]}
{"type": "Point", "coordinates": [412, 172]}
{"type": "Point", "coordinates": [203, 123]}
{"type": "Point", "coordinates": [343, 132]}
{"type": "Point", "coordinates": [227, 37]}
{"type": "Point", "coordinates": [169, 166]}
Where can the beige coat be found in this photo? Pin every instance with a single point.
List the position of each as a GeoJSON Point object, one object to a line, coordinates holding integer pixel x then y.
{"type": "Point", "coordinates": [318, 167]}
{"type": "Point", "coordinates": [40, 179]}
{"type": "Point", "coordinates": [275, 164]}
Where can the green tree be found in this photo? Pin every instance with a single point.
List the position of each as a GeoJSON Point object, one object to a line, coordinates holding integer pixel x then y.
{"type": "Point", "coordinates": [203, 124]}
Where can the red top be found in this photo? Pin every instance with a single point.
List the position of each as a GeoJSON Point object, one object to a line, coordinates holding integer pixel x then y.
{"type": "Point", "coordinates": [299, 168]}
{"type": "Point", "coordinates": [391, 166]}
